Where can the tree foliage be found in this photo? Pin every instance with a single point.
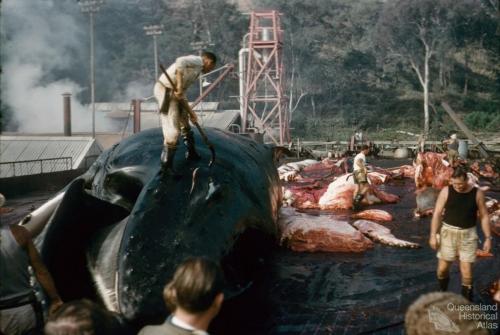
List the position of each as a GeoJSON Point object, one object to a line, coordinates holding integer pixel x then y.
{"type": "Point", "coordinates": [350, 61]}
{"type": "Point", "coordinates": [363, 62]}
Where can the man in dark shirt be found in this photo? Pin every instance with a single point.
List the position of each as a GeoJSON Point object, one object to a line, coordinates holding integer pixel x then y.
{"type": "Point", "coordinates": [454, 233]}
{"type": "Point", "coordinates": [17, 301]}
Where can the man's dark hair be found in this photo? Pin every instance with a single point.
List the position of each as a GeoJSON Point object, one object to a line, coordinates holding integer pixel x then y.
{"type": "Point", "coordinates": [209, 55]}
{"type": "Point", "coordinates": [195, 284]}
{"type": "Point", "coordinates": [365, 147]}
{"type": "Point", "coordinates": [83, 317]}
{"type": "Point", "coordinates": [459, 172]}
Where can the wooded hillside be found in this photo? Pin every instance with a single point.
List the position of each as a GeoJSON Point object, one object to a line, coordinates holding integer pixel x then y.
{"type": "Point", "coordinates": [362, 64]}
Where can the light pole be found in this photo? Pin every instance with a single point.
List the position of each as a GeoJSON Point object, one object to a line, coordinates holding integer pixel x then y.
{"type": "Point", "coordinates": [91, 7]}
{"type": "Point", "coordinates": [154, 30]}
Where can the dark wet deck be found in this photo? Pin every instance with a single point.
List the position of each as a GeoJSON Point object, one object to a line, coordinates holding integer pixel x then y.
{"type": "Point", "coordinates": [336, 293]}
{"type": "Point", "coordinates": [339, 293]}
{"type": "Point", "coordinates": [20, 206]}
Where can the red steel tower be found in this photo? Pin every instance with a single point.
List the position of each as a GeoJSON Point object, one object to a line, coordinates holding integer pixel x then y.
{"type": "Point", "coordinates": [264, 102]}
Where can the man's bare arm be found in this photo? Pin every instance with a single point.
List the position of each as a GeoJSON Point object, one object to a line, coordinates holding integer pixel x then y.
{"type": "Point", "coordinates": [41, 273]}
{"type": "Point", "coordinates": [438, 211]}
{"type": "Point", "coordinates": [361, 164]}
{"type": "Point", "coordinates": [485, 220]}
{"type": "Point", "coordinates": [437, 216]}
{"type": "Point", "coordinates": [179, 81]}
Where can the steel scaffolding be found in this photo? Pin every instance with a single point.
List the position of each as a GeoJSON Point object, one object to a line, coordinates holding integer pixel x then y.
{"type": "Point", "coordinates": [264, 102]}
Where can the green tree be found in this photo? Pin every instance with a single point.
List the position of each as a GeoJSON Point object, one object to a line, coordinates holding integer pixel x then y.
{"type": "Point", "coordinates": [415, 31]}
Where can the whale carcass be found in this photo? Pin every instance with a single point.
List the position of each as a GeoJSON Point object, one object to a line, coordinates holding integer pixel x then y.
{"type": "Point", "coordinates": [302, 232]}
{"type": "Point", "coordinates": [382, 234]}
{"type": "Point", "coordinates": [373, 214]}
{"type": "Point", "coordinates": [122, 227]}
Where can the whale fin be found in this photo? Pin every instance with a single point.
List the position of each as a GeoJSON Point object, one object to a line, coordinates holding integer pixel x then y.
{"type": "Point", "coordinates": [123, 185]}
{"type": "Point", "coordinates": [66, 236]}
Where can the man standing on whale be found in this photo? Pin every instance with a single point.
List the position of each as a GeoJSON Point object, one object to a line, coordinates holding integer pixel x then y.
{"type": "Point", "coordinates": [174, 120]}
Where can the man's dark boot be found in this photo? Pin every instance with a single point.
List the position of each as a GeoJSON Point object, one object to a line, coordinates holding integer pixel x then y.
{"type": "Point", "coordinates": [467, 292]}
{"type": "Point", "coordinates": [191, 154]}
{"type": "Point", "coordinates": [356, 202]}
{"type": "Point", "coordinates": [167, 159]}
{"type": "Point", "coordinates": [443, 284]}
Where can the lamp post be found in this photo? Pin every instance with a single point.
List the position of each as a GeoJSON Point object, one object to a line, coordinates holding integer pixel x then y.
{"type": "Point", "coordinates": [154, 30]}
{"type": "Point", "coordinates": [91, 7]}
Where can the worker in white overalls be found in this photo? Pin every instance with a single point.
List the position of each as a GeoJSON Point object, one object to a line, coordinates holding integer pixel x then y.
{"type": "Point", "coordinates": [174, 120]}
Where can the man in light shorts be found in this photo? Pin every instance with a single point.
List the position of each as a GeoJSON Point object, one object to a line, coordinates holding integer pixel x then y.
{"type": "Point", "coordinates": [460, 203]}
{"type": "Point", "coordinates": [360, 175]}
{"type": "Point", "coordinates": [174, 120]}
{"type": "Point", "coordinates": [452, 152]}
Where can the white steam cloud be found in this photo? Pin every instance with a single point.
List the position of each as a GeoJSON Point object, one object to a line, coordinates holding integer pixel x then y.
{"type": "Point", "coordinates": [138, 89]}
{"type": "Point", "coordinates": [38, 108]}
{"type": "Point", "coordinates": [39, 39]}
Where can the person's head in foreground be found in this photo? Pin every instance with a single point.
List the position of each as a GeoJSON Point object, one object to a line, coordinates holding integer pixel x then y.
{"type": "Point", "coordinates": [194, 294]}
{"type": "Point", "coordinates": [83, 317]}
{"type": "Point", "coordinates": [440, 313]}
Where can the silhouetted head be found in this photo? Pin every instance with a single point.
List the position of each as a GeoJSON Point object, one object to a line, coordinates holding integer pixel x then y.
{"type": "Point", "coordinates": [209, 60]}
{"type": "Point", "coordinates": [195, 287]}
{"type": "Point", "coordinates": [82, 317]}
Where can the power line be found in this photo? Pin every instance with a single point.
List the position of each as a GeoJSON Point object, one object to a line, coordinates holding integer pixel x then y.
{"type": "Point", "coordinates": [91, 7]}
{"type": "Point", "coordinates": [154, 30]}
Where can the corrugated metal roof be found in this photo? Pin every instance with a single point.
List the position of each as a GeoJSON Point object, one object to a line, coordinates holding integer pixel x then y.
{"type": "Point", "coordinates": [210, 106]}
{"type": "Point", "coordinates": [150, 120]}
{"type": "Point", "coordinates": [126, 107]}
{"type": "Point", "coordinates": [122, 109]}
{"type": "Point", "coordinates": [221, 120]}
{"type": "Point", "coordinates": [25, 155]}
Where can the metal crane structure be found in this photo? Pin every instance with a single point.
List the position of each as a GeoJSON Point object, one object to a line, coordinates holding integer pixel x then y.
{"type": "Point", "coordinates": [263, 100]}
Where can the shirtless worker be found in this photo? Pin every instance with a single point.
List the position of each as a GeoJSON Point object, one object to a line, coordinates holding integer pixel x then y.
{"type": "Point", "coordinates": [19, 308]}
{"type": "Point", "coordinates": [174, 120]}
{"type": "Point", "coordinates": [460, 203]}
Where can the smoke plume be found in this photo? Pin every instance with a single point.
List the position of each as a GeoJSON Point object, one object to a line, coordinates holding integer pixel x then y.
{"type": "Point", "coordinates": [43, 40]}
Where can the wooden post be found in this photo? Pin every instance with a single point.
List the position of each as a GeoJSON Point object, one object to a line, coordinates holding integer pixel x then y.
{"type": "Point", "coordinates": [67, 113]}
{"type": "Point", "coordinates": [136, 106]}
{"type": "Point", "coordinates": [467, 132]}
{"type": "Point", "coordinates": [298, 147]}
